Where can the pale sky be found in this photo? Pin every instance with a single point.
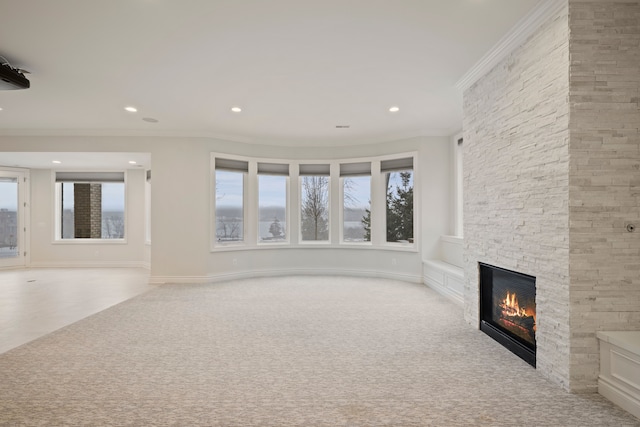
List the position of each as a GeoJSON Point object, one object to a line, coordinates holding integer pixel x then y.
{"type": "Point", "coordinates": [8, 195]}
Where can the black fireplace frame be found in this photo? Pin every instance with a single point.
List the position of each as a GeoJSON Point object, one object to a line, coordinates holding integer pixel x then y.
{"type": "Point", "coordinates": [519, 347]}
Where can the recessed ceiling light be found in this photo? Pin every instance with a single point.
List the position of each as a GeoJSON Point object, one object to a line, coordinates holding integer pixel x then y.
{"type": "Point", "coordinates": [57, 162]}
{"type": "Point", "coordinates": [236, 109]}
{"type": "Point", "coordinates": [150, 119]}
{"type": "Point", "coordinates": [131, 109]}
{"type": "Point", "coordinates": [132, 162]}
{"type": "Point", "coordinates": [394, 109]}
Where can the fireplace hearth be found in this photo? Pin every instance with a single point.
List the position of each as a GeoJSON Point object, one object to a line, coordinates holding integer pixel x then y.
{"type": "Point", "coordinates": [508, 310]}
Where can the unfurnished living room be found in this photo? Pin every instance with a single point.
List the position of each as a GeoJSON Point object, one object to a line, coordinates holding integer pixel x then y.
{"type": "Point", "coordinates": [320, 213]}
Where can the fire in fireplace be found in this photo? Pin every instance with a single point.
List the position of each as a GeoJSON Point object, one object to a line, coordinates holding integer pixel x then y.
{"type": "Point", "coordinates": [508, 309]}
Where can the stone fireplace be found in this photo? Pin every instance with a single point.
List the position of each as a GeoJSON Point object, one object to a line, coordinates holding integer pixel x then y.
{"type": "Point", "coordinates": [551, 157]}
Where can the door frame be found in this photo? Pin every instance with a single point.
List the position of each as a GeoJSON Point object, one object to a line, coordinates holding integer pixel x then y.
{"type": "Point", "coordinates": [23, 216]}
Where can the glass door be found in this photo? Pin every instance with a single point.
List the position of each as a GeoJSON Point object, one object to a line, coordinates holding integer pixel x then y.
{"type": "Point", "coordinates": [12, 218]}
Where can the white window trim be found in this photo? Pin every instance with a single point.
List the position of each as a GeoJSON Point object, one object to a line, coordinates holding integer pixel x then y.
{"type": "Point", "coordinates": [294, 193]}
{"type": "Point", "coordinates": [382, 210]}
{"type": "Point", "coordinates": [299, 206]}
{"type": "Point", "coordinates": [287, 228]}
{"type": "Point", "coordinates": [344, 243]}
{"type": "Point", "coordinates": [57, 209]}
{"type": "Point", "coordinates": [215, 245]}
{"type": "Point", "coordinates": [458, 183]}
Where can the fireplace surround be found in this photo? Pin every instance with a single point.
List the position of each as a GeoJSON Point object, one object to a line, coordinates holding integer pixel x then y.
{"type": "Point", "coordinates": [508, 309]}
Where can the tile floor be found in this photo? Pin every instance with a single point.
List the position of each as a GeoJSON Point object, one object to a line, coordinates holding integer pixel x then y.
{"type": "Point", "coordinates": [35, 302]}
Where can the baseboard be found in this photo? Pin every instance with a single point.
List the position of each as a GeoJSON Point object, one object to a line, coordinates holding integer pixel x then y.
{"type": "Point", "coordinates": [623, 398]}
{"type": "Point", "coordinates": [90, 264]}
{"type": "Point", "coordinates": [213, 278]}
{"type": "Point", "coordinates": [178, 280]}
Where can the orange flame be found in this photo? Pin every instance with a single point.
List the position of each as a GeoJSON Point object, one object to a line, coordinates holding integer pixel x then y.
{"type": "Point", "coordinates": [511, 308]}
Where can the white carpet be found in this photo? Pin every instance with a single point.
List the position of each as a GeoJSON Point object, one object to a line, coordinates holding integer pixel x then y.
{"type": "Point", "coordinates": [296, 351]}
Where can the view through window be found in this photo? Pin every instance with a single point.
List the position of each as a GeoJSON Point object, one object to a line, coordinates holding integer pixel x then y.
{"type": "Point", "coordinates": [8, 217]}
{"type": "Point", "coordinates": [356, 202]}
{"type": "Point", "coordinates": [399, 188]}
{"type": "Point", "coordinates": [272, 207]}
{"type": "Point", "coordinates": [229, 206]}
{"type": "Point", "coordinates": [92, 210]}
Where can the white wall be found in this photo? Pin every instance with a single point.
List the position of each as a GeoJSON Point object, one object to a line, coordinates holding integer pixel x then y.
{"type": "Point", "coordinates": [180, 210]}
{"type": "Point", "coordinates": [46, 252]}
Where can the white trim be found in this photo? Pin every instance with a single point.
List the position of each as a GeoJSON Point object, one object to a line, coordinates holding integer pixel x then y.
{"type": "Point", "coordinates": [23, 218]}
{"type": "Point", "coordinates": [457, 184]}
{"type": "Point", "coordinates": [89, 264]}
{"type": "Point", "coordinates": [441, 276]}
{"type": "Point", "coordinates": [514, 38]}
{"type": "Point", "coordinates": [214, 278]}
{"type": "Point", "coordinates": [294, 196]}
{"type": "Point", "coordinates": [57, 204]}
{"type": "Point", "coordinates": [452, 239]}
{"type": "Point", "coordinates": [214, 245]}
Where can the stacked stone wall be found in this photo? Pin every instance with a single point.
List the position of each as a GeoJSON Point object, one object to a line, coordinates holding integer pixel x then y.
{"type": "Point", "coordinates": [516, 163]}
{"type": "Point", "coordinates": [604, 177]}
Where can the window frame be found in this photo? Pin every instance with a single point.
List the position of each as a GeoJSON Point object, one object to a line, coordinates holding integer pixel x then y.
{"type": "Point", "coordinates": [57, 207]}
{"type": "Point", "coordinates": [294, 205]}
{"type": "Point", "coordinates": [245, 206]}
{"type": "Point", "coordinates": [287, 228]}
{"type": "Point", "coordinates": [382, 238]}
{"type": "Point", "coordinates": [343, 177]}
{"type": "Point", "coordinates": [319, 167]}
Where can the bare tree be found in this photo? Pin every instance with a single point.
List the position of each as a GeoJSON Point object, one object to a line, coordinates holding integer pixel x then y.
{"type": "Point", "coordinates": [315, 208]}
{"type": "Point", "coordinates": [228, 228]}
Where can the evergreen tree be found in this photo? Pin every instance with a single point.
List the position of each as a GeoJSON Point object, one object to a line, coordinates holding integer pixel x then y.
{"type": "Point", "coordinates": [366, 223]}
{"type": "Point", "coordinates": [275, 228]}
{"type": "Point", "coordinates": [400, 210]}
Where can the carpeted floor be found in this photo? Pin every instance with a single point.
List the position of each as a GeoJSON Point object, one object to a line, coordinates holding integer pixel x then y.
{"type": "Point", "coordinates": [296, 351]}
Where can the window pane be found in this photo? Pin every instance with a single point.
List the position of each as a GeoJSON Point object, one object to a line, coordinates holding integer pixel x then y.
{"type": "Point", "coordinates": [229, 206]}
{"type": "Point", "coordinates": [8, 218]}
{"type": "Point", "coordinates": [67, 211]}
{"type": "Point", "coordinates": [113, 210]}
{"type": "Point", "coordinates": [314, 208]}
{"type": "Point", "coordinates": [272, 206]}
{"type": "Point", "coordinates": [400, 206]}
{"type": "Point", "coordinates": [356, 209]}
{"type": "Point", "coordinates": [92, 210]}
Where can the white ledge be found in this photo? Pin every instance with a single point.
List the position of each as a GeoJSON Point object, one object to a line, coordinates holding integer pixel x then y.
{"type": "Point", "coordinates": [628, 340]}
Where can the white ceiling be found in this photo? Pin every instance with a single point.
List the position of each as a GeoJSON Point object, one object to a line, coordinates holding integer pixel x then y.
{"type": "Point", "coordinates": [76, 160]}
{"type": "Point", "coordinates": [298, 68]}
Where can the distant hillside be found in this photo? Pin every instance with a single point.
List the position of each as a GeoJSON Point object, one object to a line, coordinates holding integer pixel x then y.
{"type": "Point", "coordinates": [268, 213]}
{"type": "Point", "coordinates": [351, 214]}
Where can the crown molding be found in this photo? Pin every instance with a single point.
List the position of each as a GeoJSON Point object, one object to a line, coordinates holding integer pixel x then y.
{"type": "Point", "coordinates": [514, 38]}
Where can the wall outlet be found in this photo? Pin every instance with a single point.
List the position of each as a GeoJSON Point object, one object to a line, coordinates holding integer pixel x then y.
{"type": "Point", "coordinates": [235, 261]}
{"type": "Point", "coordinates": [394, 261]}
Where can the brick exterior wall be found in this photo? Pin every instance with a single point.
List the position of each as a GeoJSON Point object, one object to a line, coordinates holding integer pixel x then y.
{"type": "Point", "coordinates": [516, 183]}
{"type": "Point", "coordinates": [552, 177]}
{"type": "Point", "coordinates": [87, 199]}
{"type": "Point", "coordinates": [604, 177]}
